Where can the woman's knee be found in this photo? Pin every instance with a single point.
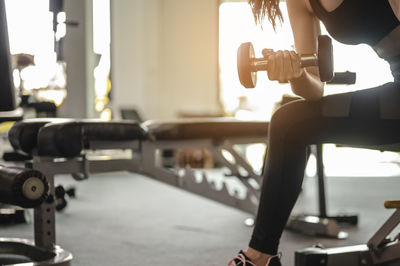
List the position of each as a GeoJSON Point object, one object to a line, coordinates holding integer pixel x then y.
{"type": "Point", "coordinates": [292, 114]}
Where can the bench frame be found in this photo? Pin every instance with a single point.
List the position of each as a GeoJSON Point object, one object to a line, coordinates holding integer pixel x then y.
{"type": "Point", "coordinates": [145, 157]}
{"type": "Point", "coordinates": [43, 250]}
{"type": "Point", "coordinates": [379, 249]}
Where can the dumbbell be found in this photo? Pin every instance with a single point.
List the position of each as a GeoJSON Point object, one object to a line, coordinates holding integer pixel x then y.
{"type": "Point", "coordinates": [248, 65]}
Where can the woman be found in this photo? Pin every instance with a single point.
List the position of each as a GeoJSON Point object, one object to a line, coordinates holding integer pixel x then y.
{"type": "Point", "coordinates": [365, 117]}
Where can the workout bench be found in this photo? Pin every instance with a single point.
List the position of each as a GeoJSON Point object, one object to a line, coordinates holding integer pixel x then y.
{"type": "Point", "coordinates": [63, 146]}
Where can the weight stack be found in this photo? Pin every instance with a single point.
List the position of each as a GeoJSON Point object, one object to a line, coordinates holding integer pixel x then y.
{"type": "Point", "coordinates": [23, 187]}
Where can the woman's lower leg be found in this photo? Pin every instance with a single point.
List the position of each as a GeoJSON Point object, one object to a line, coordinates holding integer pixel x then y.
{"type": "Point", "coordinates": [283, 175]}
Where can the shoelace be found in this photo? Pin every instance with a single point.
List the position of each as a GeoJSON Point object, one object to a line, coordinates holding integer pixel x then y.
{"type": "Point", "coordinates": [242, 260]}
{"type": "Point", "coordinates": [279, 255]}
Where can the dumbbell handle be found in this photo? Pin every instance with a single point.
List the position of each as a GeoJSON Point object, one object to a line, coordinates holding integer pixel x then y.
{"type": "Point", "coordinates": [261, 64]}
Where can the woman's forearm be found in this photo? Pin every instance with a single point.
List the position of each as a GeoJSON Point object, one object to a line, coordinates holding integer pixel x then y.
{"type": "Point", "coordinates": [308, 86]}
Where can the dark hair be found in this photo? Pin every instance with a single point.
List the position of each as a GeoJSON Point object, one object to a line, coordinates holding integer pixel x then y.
{"type": "Point", "coordinates": [269, 8]}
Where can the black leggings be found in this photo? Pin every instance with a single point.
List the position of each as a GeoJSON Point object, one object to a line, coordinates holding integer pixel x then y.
{"type": "Point", "coordinates": [369, 117]}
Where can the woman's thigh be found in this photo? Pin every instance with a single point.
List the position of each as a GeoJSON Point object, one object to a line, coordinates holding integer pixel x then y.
{"type": "Point", "coordinates": [365, 117]}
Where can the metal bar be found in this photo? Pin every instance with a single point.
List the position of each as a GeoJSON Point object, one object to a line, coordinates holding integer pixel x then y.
{"type": "Point", "coordinates": [307, 60]}
{"type": "Point", "coordinates": [384, 230]}
{"type": "Point", "coordinates": [220, 158]}
{"type": "Point", "coordinates": [248, 140]}
{"type": "Point", "coordinates": [38, 256]}
{"type": "Point", "coordinates": [44, 219]}
{"type": "Point", "coordinates": [241, 162]}
{"type": "Point", "coordinates": [386, 253]}
{"type": "Point", "coordinates": [113, 145]}
{"type": "Point", "coordinates": [321, 182]}
{"type": "Point", "coordinates": [259, 64]}
{"type": "Point", "coordinates": [104, 166]}
{"type": "Point", "coordinates": [179, 144]}
{"type": "Point", "coordinates": [54, 166]}
{"type": "Point", "coordinates": [187, 182]}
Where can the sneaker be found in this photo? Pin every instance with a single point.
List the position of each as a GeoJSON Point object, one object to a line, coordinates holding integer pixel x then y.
{"type": "Point", "coordinates": [274, 260]}
{"type": "Point", "coordinates": [242, 260]}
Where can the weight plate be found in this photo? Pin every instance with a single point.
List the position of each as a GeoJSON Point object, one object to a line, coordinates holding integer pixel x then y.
{"type": "Point", "coordinates": [245, 55]}
{"type": "Point", "coordinates": [325, 58]}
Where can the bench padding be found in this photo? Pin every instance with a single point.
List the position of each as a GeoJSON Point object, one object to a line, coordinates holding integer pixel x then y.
{"type": "Point", "coordinates": [23, 134]}
{"type": "Point", "coordinates": [217, 129]}
{"type": "Point", "coordinates": [68, 137]}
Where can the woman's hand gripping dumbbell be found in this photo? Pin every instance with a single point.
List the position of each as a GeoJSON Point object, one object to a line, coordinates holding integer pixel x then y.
{"type": "Point", "coordinates": [283, 65]}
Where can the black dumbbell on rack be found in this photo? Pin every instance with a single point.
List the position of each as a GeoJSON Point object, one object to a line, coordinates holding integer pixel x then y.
{"type": "Point", "coordinates": [248, 65]}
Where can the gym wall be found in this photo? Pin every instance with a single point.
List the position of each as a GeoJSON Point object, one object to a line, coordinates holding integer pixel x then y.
{"type": "Point", "coordinates": [165, 56]}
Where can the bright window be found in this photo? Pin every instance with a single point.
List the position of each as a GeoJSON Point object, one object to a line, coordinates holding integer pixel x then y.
{"type": "Point", "coordinates": [30, 29]}
{"type": "Point", "coordinates": [30, 26]}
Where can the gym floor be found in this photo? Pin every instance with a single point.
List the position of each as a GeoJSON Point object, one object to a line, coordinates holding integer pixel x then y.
{"type": "Point", "coordinates": [128, 219]}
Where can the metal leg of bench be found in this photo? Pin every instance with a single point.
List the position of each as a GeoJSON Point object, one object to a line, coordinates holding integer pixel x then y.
{"type": "Point", "coordinates": [380, 250]}
{"type": "Point", "coordinates": [242, 163]}
{"type": "Point", "coordinates": [341, 218]}
{"type": "Point", "coordinates": [32, 254]}
{"type": "Point", "coordinates": [383, 249]}
{"type": "Point", "coordinates": [321, 224]}
{"type": "Point", "coordinates": [216, 151]}
{"type": "Point", "coordinates": [42, 251]}
{"type": "Point", "coordinates": [188, 182]}
{"type": "Point", "coordinates": [44, 220]}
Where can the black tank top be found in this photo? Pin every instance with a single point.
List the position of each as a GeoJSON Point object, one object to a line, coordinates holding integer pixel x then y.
{"type": "Point", "coordinates": [371, 22]}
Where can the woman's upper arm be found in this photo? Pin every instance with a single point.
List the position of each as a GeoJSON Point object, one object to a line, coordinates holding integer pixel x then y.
{"type": "Point", "coordinates": [305, 27]}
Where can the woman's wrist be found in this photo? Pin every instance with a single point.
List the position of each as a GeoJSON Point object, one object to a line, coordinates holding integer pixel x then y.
{"type": "Point", "coordinates": [307, 86]}
{"type": "Point", "coordinates": [301, 78]}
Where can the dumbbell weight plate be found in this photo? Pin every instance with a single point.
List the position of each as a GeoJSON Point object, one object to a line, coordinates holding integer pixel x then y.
{"type": "Point", "coordinates": [245, 54]}
{"type": "Point", "coordinates": [325, 58]}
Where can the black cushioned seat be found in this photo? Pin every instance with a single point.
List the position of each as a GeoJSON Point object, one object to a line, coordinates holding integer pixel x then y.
{"type": "Point", "coordinates": [23, 134]}
{"type": "Point", "coordinates": [214, 128]}
{"type": "Point", "coordinates": [68, 139]}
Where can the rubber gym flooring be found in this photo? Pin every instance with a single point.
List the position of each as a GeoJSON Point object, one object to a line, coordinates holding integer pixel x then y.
{"type": "Point", "coordinates": [128, 219]}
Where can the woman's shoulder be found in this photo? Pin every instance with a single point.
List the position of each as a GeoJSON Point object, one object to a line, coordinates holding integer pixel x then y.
{"type": "Point", "coordinates": [299, 5]}
{"type": "Point", "coordinates": [327, 5]}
